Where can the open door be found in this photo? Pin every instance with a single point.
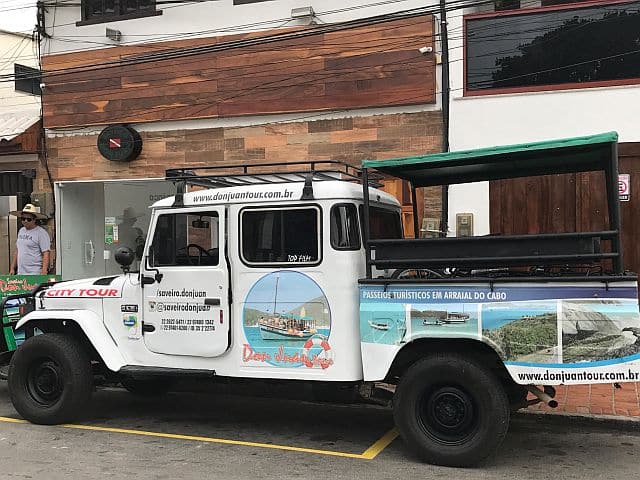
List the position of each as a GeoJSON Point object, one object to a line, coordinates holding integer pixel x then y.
{"type": "Point", "coordinates": [187, 311]}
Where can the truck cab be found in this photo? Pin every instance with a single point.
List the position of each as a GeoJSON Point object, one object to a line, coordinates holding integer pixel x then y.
{"type": "Point", "coordinates": [241, 281]}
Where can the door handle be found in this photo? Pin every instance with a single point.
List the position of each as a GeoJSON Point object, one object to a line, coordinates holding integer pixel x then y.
{"type": "Point", "coordinates": [89, 252]}
{"type": "Point", "coordinates": [212, 301]}
{"type": "Point", "coordinates": [147, 327]}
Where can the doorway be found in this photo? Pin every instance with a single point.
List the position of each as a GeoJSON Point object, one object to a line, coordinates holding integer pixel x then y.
{"type": "Point", "coordinates": [95, 218]}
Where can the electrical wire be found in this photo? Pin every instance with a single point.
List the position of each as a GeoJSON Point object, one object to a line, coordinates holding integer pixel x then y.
{"type": "Point", "coordinates": [281, 80]}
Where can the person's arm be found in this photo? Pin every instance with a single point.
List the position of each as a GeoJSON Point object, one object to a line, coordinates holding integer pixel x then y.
{"type": "Point", "coordinates": [14, 263]}
{"type": "Point", "coordinates": [45, 247]}
{"type": "Point", "coordinates": [45, 262]}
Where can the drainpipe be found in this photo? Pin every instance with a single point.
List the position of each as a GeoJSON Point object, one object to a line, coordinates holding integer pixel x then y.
{"type": "Point", "coordinates": [444, 41]}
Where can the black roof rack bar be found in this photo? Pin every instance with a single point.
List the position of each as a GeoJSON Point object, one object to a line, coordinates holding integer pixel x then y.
{"type": "Point", "coordinates": [218, 176]}
{"type": "Point", "coordinates": [312, 164]}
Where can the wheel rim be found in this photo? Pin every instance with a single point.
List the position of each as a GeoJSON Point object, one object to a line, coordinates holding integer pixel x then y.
{"type": "Point", "coordinates": [447, 415]}
{"type": "Point", "coordinates": [45, 382]}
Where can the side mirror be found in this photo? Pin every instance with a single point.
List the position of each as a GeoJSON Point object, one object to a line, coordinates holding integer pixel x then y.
{"type": "Point", "coordinates": [124, 257]}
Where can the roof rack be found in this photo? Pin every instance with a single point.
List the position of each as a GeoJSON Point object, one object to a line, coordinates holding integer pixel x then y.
{"type": "Point", "coordinates": [235, 175]}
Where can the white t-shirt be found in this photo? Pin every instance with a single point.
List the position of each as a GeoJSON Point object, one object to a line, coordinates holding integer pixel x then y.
{"type": "Point", "coordinates": [31, 245]}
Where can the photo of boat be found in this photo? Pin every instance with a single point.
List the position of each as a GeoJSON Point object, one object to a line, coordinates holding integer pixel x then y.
{"type": "Point", "coordinates": [386, 326]}
{"type": "Point", "coordinates": [453, 317]}
{"type": "Point", "coordinates": [444, 318]}
{"type": "Point", "coordinates": [281, 326]}
{"type": "Point", "coordinates": [379, 324]}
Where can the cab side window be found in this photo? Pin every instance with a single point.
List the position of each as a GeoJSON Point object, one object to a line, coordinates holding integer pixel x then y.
{"type": "Point", "coordinates": [345, 232]}
{"type": "Point", "coordinates": [182, 239]}
{"type": "Point", "coordinates": [383, 223]}
{"type": "Point", "coordinates": [280, 236]}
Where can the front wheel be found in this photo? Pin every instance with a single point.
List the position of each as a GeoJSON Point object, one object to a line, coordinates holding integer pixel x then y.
{"type": "Point", "coordinates": [50, 379]}
{"type": "Point", "coordinates": [451, 410]}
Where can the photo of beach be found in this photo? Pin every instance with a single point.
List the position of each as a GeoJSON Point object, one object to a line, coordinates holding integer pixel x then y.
{"type": "Point", "coordinates": [383, 323]}
{"type": "Point", "coordinates": [599, 329]}
{"type": "Point", "coordinates": [282, 312]}
{"type": "Point", "coordinates": [523, 331]}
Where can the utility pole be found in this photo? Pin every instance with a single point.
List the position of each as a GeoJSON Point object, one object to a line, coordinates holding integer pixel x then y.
{"type": "Point", "coordinates": [444, 42]}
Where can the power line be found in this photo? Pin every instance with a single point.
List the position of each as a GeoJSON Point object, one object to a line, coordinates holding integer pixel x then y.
{"type": "Point", "coordinates": [179, 53]}
{"type": "Point", "coordinates": [188, 51]}
{"type": "Point", "coordinates": [283, 80]}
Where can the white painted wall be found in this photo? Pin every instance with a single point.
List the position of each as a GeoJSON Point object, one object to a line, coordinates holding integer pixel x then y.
{"type": "Point", "coordinates": [21, 49]}
{"type": "Point", "coordinates": [517, 118]}
{"type": "Point", "coordinates": [202, 20]}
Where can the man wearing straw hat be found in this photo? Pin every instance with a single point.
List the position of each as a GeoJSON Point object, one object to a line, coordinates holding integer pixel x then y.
{"type": "Point", "coordinates": [130, 235]}
{"type": "Point", "coordinates": [32, 247]}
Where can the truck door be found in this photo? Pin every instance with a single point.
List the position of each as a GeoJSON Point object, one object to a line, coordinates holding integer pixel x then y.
{"type": "Point", "coordinates": [187, 311]}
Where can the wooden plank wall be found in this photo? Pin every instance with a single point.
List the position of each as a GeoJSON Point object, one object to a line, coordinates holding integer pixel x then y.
{"type": "Point", "coordinates": [377, 65]}
{"type": "Point", "coordinates": [629, 156]}
{"type": "Point", "coordinates": [568, 203]}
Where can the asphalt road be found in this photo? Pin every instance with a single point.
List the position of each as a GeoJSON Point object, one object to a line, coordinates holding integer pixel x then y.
{"type": "Point", "coordinates": [222, 436]}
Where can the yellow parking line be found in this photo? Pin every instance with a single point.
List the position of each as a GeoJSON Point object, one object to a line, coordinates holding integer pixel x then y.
{"type": "Point", "coordinates": [382, 443]}
{"type": "Point", "coordinates": [369, 454]}
{"type": "Point", "coordinates": [12, 420]}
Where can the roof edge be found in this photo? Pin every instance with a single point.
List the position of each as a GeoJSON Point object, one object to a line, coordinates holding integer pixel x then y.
{"type": "Point", "coordinates": [608, 137]}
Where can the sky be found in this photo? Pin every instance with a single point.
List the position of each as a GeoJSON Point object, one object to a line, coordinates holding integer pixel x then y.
{"type": "Point", "coordinates": [15, 18]}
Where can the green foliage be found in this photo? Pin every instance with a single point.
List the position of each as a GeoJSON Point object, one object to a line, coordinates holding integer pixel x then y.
{"type": "Point", "coordinates": [526, 336]}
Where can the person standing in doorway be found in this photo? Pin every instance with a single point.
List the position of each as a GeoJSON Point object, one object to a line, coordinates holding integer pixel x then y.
{"type": "Point", "coordinates": [129, 235]}
{"type": "Point", "coordinates": [33, 245]}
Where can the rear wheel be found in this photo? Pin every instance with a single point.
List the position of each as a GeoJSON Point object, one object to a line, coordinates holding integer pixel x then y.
{"type": "Point", "coordinates": [450, 410]}
{"type": "Point", "coordinates": [50, 379]}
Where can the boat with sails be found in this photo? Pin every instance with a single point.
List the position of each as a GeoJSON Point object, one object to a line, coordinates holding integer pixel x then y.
{"type": "Point", "coordinates": [279, 326]}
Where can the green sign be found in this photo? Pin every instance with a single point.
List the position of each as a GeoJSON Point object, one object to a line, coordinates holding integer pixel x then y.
{"type": "Point", "coordinates": [16, 285]}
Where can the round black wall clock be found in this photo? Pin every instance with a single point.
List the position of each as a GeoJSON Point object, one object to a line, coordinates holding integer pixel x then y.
{"type": "Point", "coordinates": [119, 143]}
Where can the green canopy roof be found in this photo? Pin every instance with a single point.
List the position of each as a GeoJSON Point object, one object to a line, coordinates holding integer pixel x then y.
{"type": "Point", "coordinates": [579, 154]}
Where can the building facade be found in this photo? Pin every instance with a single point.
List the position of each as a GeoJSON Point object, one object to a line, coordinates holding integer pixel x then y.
{"type": "Point", "coordinates": [233, 81]}
{"type": "Point", "coordinates": [525, 71]}
{"type": "Point", "coordinates": [226, 82]}
{"type": "Point", "coordinates": [20, 132]}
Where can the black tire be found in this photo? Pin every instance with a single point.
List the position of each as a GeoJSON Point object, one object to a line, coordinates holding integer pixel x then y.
{"type": "Point", "coordinates": [50, 379]}
{"type": "Point", "coordinates": [147, 387]}
{"type": "Point", "coordinates": [450, 410]}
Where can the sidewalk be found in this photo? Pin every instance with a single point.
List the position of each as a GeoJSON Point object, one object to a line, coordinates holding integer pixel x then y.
{"type": "Point", "coordinates": [599, 399]}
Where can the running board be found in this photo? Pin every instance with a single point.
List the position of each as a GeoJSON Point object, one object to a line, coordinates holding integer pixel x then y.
{"type": "Point", "coordinates": [137, 371]}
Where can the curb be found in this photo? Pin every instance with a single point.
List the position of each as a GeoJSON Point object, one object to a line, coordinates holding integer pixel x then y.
{"type": "Point", "coordinates": [573, 419]}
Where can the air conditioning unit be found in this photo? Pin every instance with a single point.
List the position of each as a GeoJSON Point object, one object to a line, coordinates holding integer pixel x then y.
{"type": "Point", "coordinates": [302, 13]}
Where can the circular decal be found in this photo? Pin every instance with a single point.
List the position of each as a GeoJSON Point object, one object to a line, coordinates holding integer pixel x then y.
{"type": "Point", "coordinates": [119, 143]}
{"type": "Point", "coordinates": [287, 322]}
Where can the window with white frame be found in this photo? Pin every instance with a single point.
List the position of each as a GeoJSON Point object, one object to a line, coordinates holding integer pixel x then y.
{"type": "Point", "coordinates": [287, 236]}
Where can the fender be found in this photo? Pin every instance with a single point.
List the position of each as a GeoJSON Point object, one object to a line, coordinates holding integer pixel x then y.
{"type": "Point", "coordinates": [92, 327]}
{"type": "Point", "coordinates": [378, 359]}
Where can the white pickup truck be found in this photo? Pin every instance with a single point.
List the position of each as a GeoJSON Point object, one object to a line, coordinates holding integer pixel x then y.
{"type": "Point", "coordinates": [305, 275]}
